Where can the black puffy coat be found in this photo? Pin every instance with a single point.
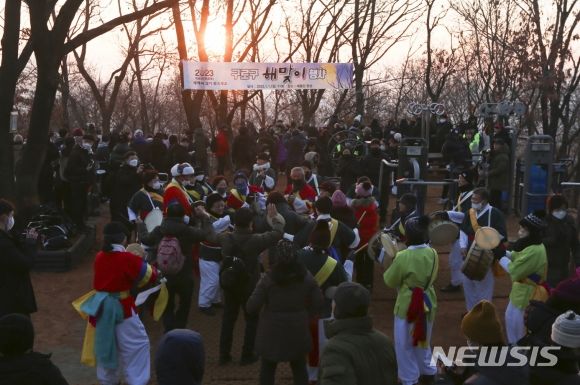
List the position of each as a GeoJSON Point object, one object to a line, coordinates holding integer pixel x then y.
{"type": "Point", "coordinates": [16, 259]}
{"type": "Point", "coordinates": [30, 369]}
{"type": "Point", "coordinates": [289, 296]}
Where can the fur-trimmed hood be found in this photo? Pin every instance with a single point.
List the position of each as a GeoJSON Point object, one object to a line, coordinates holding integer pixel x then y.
{"type": "Point", "coordinates": [358, 202]}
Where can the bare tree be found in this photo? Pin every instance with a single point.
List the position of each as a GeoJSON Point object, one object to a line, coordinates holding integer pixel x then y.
{"type": "Point", "coordinates": [50, 44]}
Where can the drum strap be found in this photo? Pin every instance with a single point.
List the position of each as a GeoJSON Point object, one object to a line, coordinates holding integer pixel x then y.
{"type": "Point", "coordinates": [149, 195]}
{"type": "Point", "coordinates": [325, 271]}
{"type": "Point", "coordinates": [237, 195]}
{"type": "Point", "coordinates": [333, 230]}
{"type": "Point", "coordinates": [460, 200]}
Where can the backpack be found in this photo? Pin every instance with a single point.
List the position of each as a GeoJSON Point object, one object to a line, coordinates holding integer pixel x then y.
{"type": "Point", "coordinates": [170, 259]}
{"type": "Point", "coordinates": [233, 272]}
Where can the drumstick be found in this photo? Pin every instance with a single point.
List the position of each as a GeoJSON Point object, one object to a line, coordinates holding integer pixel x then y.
{"type": "Point", "coordinates": [361, 218]}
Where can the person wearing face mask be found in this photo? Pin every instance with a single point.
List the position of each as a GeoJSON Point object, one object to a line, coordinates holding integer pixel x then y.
{"type": "Point", "coordinates": [527, 266]}
{"type": "Point", "coordinates": [220, 185]}
{"type": "Point", "coordinates": [413, 273]}
{"type": "Point", "coordinates": [200, 189]}
{"type": "Point", "coordinates": [180, 284]}
{"type": "Point", "coordinates": [481, 214]}
{"type": "Point", "coordinates": [17, 258]}
{"type": "Point", "coordinates": [299, 192]}
{"type": "Point", "coordinates": [262, 174]}
{"type": "Point", "coordinates": [175, 191]}
{"type": "Point", "coordinates": [312, 179]}
{"type": "Point", "coordinates": [561, 241]}
{"type": "Point", "coordinates": [148, 198]}
{"type": "Point", "coordinates": [126, 183]}
{"type": "Point", "coordinates": [80, 173]}
{"type": "Point", "coordinates": [210, 256]}
{"type": "Point", "coordinates": [243, 193]}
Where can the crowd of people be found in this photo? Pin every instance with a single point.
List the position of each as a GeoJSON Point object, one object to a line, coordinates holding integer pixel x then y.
{"type": "Point", "coordinates": [294, 260]}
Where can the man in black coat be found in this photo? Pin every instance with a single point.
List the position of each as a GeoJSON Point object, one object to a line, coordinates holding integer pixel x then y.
{"type": "Point", "coordinates": [126, 183]}
{"type": "Point", "coordinates": [16, 259]}
{"type": "Point", "coordinates": [80, 173]}
{"type": "Point", "coordinates": [247, 246]}
{"type": "Point", "coordinates": [243, 150]}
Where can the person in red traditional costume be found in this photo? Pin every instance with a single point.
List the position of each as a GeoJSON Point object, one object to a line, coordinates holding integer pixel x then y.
{"type": "Point", "coordinates": [299, 187]}
{"type": "Point", "coordinates": [367, 215]}
{"type": "Point", "coordinates": [120, 339]}
{"type": "Point", "coordinates": [242, 190]}
{"type": "Point", "coordinates": [183, 177]}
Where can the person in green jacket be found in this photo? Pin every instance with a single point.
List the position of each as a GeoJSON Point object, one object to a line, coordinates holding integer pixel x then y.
{"type": "Point", "coordinates": [527, 267]}
{"type": "Point", "coordinates": [412, 273]}
{"type": "Point", "coordinates": [356, 354]}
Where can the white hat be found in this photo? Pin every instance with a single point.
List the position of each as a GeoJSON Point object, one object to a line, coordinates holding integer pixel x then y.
{"type": "Point", "coordinates": [397, 137]}
{"type": "Point", "coordinates": [566, 330]}
{"type": "Point", "coordinates": [182, 169]}
{"type": "Point", "coordinates": [456, 216]}
{"type": "Point", "coordinates": [174, 171]}
{"type": "Point", "coordinates": [138, 133]}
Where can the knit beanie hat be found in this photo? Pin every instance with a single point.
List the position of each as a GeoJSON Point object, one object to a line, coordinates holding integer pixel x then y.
{"type": "Point", "coordinates": [534, 221]}
{"type": "Point", "coordinates": [320, 236]}
{"type": "Point", "coordinates": [482, 325]}
{"type": "Point", "coordinates": [240, 175]}
{"type": "Point", "coordinates": [16, 334]}
{"type": "Point", "coordinates": [566, 330]}
{"type": "Point", "coordinates": [339, 199]}
{"type": "Point", "coordinates": [363, 190]}
{"type": "Point", "coordinates": [212, 199]}
{"type": "Point", "coordinates": [351, 300]}
{"type": "Point", "coordinates": [567, 294]}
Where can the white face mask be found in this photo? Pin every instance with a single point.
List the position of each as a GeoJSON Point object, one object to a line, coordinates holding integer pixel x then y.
{"type": "Point", "coordinates": [186, 219]}
{"type": "Point", "coordinates": [200, 178]}
{"type": "Point", "coordinates": [10, 223]}
{"type": "Point", "coordinates": [133, 162]}
{"type": "Point", "coordinates": [559, 214]}
{"type": "Point", "coordinates": [382, 147]}
{"type": "Point", "coordinates": [156, 185]}
{"type": "Point", "coordinates": [522, 233]}
{"type": "Point", "coordinates": [477, 206]}
{"type": "Point", "coordinates": [87, 146]}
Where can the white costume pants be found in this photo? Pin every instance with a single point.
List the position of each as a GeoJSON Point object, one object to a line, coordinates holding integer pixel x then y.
{"type": "Point", "coordinates": [514, 324]}
{"type": "Point", "coordinates": [313, 370]}
{"type": "Point", "coordinates": [209, 283]}
{"type": "Point", "coordinates": [475, 291]}
{"type": "Point", "coordinates": [133, 352]}
{"type": "Point", "coordinates": [412, 361]}
{"type": "Point", "coordinates": [455, 262]}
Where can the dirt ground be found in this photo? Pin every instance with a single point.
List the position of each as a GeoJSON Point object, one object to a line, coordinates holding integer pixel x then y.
{"type": "Point", "coordinates": [59, 329]}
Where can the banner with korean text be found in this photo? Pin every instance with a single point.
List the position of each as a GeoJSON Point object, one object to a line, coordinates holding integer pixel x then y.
{"type": "Point", "coordinates": [266, 76]}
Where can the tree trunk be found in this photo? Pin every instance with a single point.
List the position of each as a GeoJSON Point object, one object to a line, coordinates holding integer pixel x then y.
{"type": "Point", "coordinates": [360, 97]}
{"type": "Point", "coordinates": [65, 95]}
{"type": "Point", "coordinates": [8, 78]}
{"type": "Point", "coordinates": [142, 98]}
{"type": "Point", "coordinates": [35, 149]}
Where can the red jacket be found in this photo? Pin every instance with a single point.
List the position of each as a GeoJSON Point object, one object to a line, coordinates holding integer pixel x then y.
{"type": "Point", "coordinates": [117, 272]}
{"type": "Point", "coordinates": [369, 225]}
{"type": "Point", "coordinates": [222, 144]}
{"type": "Point", "coordinates": [175, 193]}
{"type": "Point", "coordinates": [234, 202]}
{"type": "Point", "coordinates": [307, 193]}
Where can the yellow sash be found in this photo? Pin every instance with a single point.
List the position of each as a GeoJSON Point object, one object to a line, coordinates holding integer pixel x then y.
{"type": "Point", "coordinates": [173, 183]}
{"type": "Point", "coordinates": [333, 230]}
{"type": "Point", "coordinates": [238, 196]}
{"type": "Point", "coordinates": [325, 271]}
